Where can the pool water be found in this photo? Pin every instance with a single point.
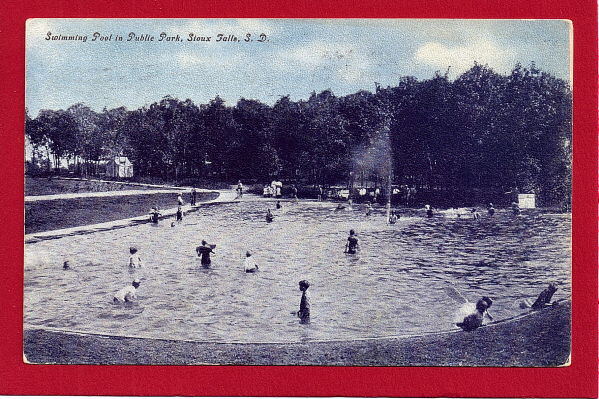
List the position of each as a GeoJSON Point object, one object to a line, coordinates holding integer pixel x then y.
{"type": "Point", "coordinates": [395, 285]}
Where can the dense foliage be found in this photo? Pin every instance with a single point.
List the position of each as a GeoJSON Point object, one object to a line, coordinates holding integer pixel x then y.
{"type": "Point", "coordinates": [481, 131]}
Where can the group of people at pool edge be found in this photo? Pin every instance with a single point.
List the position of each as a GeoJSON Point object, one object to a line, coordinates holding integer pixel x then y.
{"type": "Point", "coordinates": [469, 323]}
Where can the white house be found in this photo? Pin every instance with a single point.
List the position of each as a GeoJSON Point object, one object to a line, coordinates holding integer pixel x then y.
{"type": "Point", "coordinates": [119, 167]}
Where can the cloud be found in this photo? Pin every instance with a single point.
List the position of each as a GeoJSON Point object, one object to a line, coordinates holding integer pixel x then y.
{"type": "Point", "coordinates": [348, 63]}
{"type": "Point", "coordinates": [462, 58]}
{"type": "Point", "coordinates": [208, 59]}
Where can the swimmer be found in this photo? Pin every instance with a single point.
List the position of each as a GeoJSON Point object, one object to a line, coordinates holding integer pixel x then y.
{"type": "Point", "coordinates": [127, 294]}
{"type": "Point", "coordinates": [278, 204]}
{"type": "Point", "coordinates": [515, 208]}
{"type": "Point", "coordinates": [304, 311]}
{"type": "Point", "coordinates": [154, 215]}
{"type": "Point", "coordinates": [134, 259]}
{"type": "Point", "coordinates": [475, 320]}
{"type": "Point", "coordinates": [475, 213]}
{"type": "Point", "coordinates": [543, 300]}
{"type": "Point", "coordinates": [368, 209]}
{"type": "Point", "coordinates": [204, 251]}
{"type": "Point", "coordinates": [352, 243]}
{"type": "Point", "coordinates": [248, 264]}
{"type": "Point", "coordinates": [194, 194]}
{"type": "Point", "coordinates": [429, 211]}
{"type": "Point", "coordinates": [66, 265]}
{"type": "Point", "coordinates": [269, 216]}
{"type": "Point", "coordinates": [393, 218]}
{"type": "Point", "coordinates": [491, 210]}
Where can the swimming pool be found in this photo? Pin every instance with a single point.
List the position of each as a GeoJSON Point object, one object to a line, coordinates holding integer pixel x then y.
{"type": "Point", "coordinates": [394, 286]}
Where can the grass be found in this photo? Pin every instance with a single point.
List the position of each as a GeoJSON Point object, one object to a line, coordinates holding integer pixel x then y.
{"type": "Point", "coordinates": [63, 213]}
{"type": "Point", "coordinates": [41, 186]}
{"type": "Point", "coordinates": [541, 339]}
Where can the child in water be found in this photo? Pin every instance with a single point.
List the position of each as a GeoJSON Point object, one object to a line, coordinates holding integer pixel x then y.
{"type": "Point", "coordinates": [269, 216]}
{"type": "Point", "coordinates": [248, 265]}
{"type": "Point", "coordinates": [304, 312]}
{"type": "Point", "coordinates": [127, 294]}
{"type": "Point", "coordinates": [134, 259]}
{"type": "Point", "coordinates": [154, 215]}
{"type": "Point", "coordinates": [179, 214]}
{"type": "Point", "coordinates": [392, 218]}
{"type": "Point", "coordinates": [352, 243]}
{"type": "Point", "coordinates": [475, 320]}
{"type": "Point", "coordinates": [429, 211]}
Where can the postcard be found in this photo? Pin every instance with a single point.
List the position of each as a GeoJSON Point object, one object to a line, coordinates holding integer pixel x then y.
{"type": "Point", "coordinates": [348, 192]}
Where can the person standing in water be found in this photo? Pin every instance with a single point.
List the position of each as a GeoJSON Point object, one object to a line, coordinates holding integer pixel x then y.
{"type": "Point", "coordinates": [352, 243]}
{"type": "Point", "coordinates": [429, 211]}
{"type": "Point", "coordinates": [248, 264]}
{"type": "Point", "coordinates": [392, 218]}
{"type": "Point", "coordinates": [179, 214]}
{"type": "Point", "coordinates": [180, 199]}
{"type": "Point", "coordinates": [155, 215]}
{"type": "Point", "coordinates": [194, 194]}
{"type": "Point", "coordinates": [239, 189]}
{"type": "Point", "coordinates": [134, 259]}
{"type": "Point", "coordinates": [204, 251]}
{"type": "Point", "coordinates": [515, 208]}
{"type": "Point", "coordinates": [304, 311]}
{"type": "Point", "coordinates": [491, 209]}
{"type": "Point", "coordinates": [269, 216]}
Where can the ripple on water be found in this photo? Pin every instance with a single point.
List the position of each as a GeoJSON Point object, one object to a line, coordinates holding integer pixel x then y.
{"type": "Point", "coordinates": [392, 287]}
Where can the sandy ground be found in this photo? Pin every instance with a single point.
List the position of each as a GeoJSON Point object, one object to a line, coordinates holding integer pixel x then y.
{"type": "Point", "coordinates": [540, 339]}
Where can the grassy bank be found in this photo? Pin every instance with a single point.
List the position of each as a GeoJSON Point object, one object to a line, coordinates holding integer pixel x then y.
{"type": "Point", "coordinates": [43, 186]}
{"type": "Point", "coordinates": [541, 339]}
{"type": "Point", "coordinates": [59, 214]}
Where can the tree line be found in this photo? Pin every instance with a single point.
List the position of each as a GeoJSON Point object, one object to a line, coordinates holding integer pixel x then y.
{"type": "Point", "coordinates": [481, 131]}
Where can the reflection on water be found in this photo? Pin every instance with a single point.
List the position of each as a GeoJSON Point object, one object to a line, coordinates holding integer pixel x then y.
{"type": "Point", "coordinates": [394, 285]}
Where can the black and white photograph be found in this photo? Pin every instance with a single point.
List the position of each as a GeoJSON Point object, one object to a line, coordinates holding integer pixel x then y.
{"type": "Point", "coordinates": [323, 192]}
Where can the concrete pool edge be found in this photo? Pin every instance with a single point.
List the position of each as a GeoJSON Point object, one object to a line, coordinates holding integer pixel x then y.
{"type": "Point", "coordinates": [224, 196]}
{"type": "Point", "coordinates": [538, 339]}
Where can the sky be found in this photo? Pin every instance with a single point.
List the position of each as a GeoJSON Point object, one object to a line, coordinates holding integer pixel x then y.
{"type": "Point", "coordinates": [292, 57]}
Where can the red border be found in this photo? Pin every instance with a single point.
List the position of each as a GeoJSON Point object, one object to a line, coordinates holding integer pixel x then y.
{"type": "Point", "coordinates": [578, 380]}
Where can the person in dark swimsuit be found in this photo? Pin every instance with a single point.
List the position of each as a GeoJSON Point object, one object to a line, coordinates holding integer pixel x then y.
{"type": "Point", "coordinates": [304, 312]}
{"type": "Point", "coordinates": [154, 215]}
{"type": "Point", "coordinates": [269, 216]}
{"type": "Point", "coordinates": [352, 243]}
{"type": "Point", "coordinates": [475, 320]}
{"type": "Point", "coordinates": [204, 251]}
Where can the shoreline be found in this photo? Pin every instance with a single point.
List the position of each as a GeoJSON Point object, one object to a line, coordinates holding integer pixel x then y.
{"type": "Point", "coordinates": [538, 339]}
